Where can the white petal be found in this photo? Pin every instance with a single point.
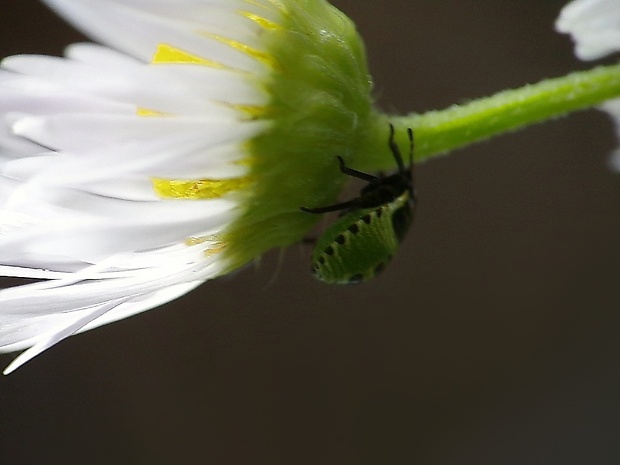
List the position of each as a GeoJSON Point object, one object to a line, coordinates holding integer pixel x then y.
{"type": "Point", "coordinates": [48, 341]}
{"type": "Point", "coordinates": [594, 26]}
{"type": "Point", "coordinates": [32, 96]}
{"type": "Point", "coordinates": [613, 108]}
{"type": "Point", "coordinates": [81, 141]}
{"type": "Point", "coordinates": [137, 27]}
{"type": "Point", "coordinates": [185, 89]}
{"type": "Point", "coordinates": [136, 275]}
{"type": "Point", "coordinates": [85, 227]}
{"type": "Point", "coordinates": [83, 133]}
{"type": "Point", "coordinates": [86, 305]}
{"type": "Point", "coordinates": [127, 172]}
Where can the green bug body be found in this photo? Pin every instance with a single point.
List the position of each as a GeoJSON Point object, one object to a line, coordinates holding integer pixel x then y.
{"type": "Point", "coordinates": [363, 240]}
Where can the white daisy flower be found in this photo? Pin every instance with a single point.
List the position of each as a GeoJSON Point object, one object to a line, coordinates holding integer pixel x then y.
{"type": "Point", "coordinates": [179, 150]}
{"type": "Point", "coordinates": [595, 27]}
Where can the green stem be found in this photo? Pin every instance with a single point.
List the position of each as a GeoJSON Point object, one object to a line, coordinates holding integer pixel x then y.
{"type": "Point", "coordinates": [437, 132]}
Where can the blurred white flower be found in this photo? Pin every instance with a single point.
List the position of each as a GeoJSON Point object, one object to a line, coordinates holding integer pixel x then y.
{"type": "Point", "coordinates": [595, 28]}
{"type": "Point", "coordinates": [130, 173]}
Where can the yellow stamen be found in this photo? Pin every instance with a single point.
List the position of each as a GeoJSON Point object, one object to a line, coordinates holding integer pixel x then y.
{"type": "Point", "coordinates": [254, 111]}
{"type": "Point", "coordinates": [167, 54]}
{"type": "Point", "coordinates": [217, 248]}
{"type": "Point", "coordinates": [263, 22]}
{"type": "Point", "coordinates": [198, 189]}
{"type": "Point", "coordinates": [252, 52]}
{"type": "Point", "coordinates": [217, 245]}
{"type": "Point", "coordinates": [147, 112]}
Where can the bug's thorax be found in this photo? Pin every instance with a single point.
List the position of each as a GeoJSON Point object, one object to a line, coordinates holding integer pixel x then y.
{"type": "Point", "coordinates": [385, 191]}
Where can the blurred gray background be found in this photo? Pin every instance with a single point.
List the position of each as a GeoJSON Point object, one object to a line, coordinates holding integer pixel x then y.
{"type": "Point", "coordinates": [492, 338]}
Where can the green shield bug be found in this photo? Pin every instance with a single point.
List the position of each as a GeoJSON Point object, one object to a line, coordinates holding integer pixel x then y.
{"type": "Point", "coordinates": [362, 241]}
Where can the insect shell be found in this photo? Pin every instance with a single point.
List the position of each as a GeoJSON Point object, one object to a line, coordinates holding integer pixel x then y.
{"type": "Point", "coordinates": [364, 239]}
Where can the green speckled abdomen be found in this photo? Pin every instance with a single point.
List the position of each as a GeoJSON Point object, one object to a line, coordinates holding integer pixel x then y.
{"type": "Point", "coordinates": [361, 243]}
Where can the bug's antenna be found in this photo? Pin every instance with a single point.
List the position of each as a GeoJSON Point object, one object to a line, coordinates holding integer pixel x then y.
{"type": "Point", "coordinates": [396, 150]}
{"type": "Point", "coordinates": [410, 135]}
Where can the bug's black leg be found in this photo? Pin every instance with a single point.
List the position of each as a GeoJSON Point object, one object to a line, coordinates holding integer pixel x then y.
{"type": "Point", "coordinates": [410, 136]}
{"type": "Point", "coordinates": [350, 203]}
{"type": "Point", "coordinates": [332, 208]}
{"type": "Point", "coordinates": [396, 151]}
{"type": "Point", "coordinates": [357, 174]}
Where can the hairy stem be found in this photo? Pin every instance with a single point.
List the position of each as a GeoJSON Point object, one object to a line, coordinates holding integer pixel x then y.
{"type": "Point", "coordinates": [438, 132]}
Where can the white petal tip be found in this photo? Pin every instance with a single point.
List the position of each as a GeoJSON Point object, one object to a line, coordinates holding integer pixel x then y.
{"type": "Point", "coordinates": [594, 26]}
{"type": "Point", "coordinates": [614, 161]}
{"type": "Point", "coordinates": [15, 364]}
